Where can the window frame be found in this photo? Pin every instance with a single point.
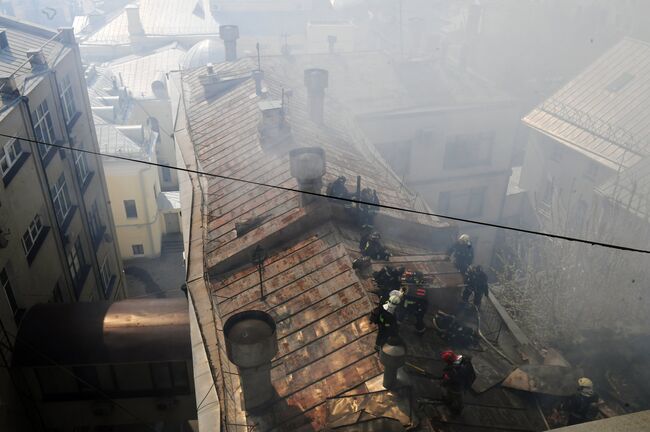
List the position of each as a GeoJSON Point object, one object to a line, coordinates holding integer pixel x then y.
{"type": "Point", "coordinates": [107, 276]}
{"type": "Point", "coordinates": [43, 128]}
{"type": "Point", "coordinates": [141, 247]}
{"type": "Point", "coordinates": [5, 158]}
{"type": "Point", "coordinates": [67, 100]}
{"type": "Point", "coordinates": [60, 196]}
{"type": "Point", "coordinates": [461, 150]}
{"type": "Point", "coordinates": [134, 214]}
{"type": "Point", "coordinates": [76, 260]}
{"type": "Point", "coordinates": [447, 197]}
{"type": "Point", "coordinates": [81, 165]}
{"type": "Point", "coordinates": [33, 232]}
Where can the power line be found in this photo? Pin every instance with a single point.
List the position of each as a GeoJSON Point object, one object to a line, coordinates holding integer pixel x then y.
{"type": "Point", "coordinates": [349, 200]}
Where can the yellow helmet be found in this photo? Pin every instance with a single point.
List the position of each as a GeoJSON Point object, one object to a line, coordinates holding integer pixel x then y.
{"type": "Point", "coordinates": [585, 383]}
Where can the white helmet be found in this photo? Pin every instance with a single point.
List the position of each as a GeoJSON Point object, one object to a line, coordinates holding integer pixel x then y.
{"type": "Point", "coordinates": [464, 238]}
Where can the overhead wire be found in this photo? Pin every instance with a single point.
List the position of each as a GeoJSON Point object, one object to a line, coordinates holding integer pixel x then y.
{"type": "Point", "coordinates": [343, 199]}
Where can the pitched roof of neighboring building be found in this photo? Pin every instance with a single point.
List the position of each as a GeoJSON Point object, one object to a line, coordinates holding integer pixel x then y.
{"type": "Point", "coordinates": [23, 37]}
{"type": "Point", "coordinates": [603, 113]}
{"type": "Point", "coordinates": [319, 303]}
{"type": "Point", "coordinates": [160, 18]}
{"type": "Point", "coordinates": [137, 72]}
{"type": "Point", "coordinates": [112, 141]}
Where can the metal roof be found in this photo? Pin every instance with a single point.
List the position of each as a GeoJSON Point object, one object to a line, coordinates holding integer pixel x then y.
{"type": "Point", "coordinates": [604, 112]}
{"type": "Point", "coordinates": [112, 141]}
{"type": "Point", "coordinates": [24, 37]}
{"type": "Point", "coordinates": [138, 72]}
{"type": "Point", "coordinates": [631, 189]}
{"type": "Point", "coordinates": [160, 18]}
{"type": "Point", "coordinates": [128, 331]}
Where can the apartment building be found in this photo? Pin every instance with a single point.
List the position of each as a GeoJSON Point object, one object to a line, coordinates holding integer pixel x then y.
{"type": "Point", "coordinates": [59, 234]}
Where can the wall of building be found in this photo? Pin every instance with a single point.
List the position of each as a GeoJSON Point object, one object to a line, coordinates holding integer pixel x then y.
{"type": "Point", "coordinates": [132, 181]}
{"type": "Point", "coordinates": [423, 149]}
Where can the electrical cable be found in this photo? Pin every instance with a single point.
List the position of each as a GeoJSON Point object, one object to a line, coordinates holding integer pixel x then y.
{"type": "Point", "coordinates": [348, 200]}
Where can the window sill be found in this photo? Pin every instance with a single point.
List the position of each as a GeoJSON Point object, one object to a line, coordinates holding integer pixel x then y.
{"type": "Point", "coordinates": [68, 219]}
{"type": "Point", "coordinates": [86, 182]}
{"type": "Point", "coordinates": [31, 255]}
{"type": "Point", "coordinates": [73, 121]}
{"type": "Point", "coordinates": [50, 154]}
{"type": "Point", "coordinates": [9, 175]}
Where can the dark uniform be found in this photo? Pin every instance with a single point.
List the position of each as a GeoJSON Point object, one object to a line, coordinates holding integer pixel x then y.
{"type": "Point", "coordinates": [456, 379]}
{"type": "Point", "coordinates": [367, 212]}
{"type": "Point", "coordinates": [462, 254]}
{"type": "Point", "coordinates": [387, 280]}
{"type": "Point", "coordinates": [582, 407]}
{"type": "Point", "coordinates": [476, 283]}
{"type": "Point", "coordinates": [375, 250]}
{"type": "Point", "coordinates": [337, 188]}
{"type": "Point", "coordinates": [386, 325]}
{"type": "Point", "coordinates": [415, 304]}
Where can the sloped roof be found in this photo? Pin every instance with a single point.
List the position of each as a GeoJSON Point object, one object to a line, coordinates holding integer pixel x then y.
{"type": "Point", "coordinates": [138, 72]}
{"type": "Point", "coordinates": [24, 37]}
{"type": "Point", "coordinates": [604, 112]}
{"type": "Point", "coordinates": [113, 142]}
{"type": "Point", "coordinates": [160, 18]}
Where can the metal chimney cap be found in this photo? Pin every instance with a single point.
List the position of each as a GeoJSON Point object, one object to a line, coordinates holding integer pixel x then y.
{"type": "Point", "coordinates": [316, 79]}
{"type": "Point", "coordinates": [228, 32]}
{"type": "Point", "coordinates": [251, 338]}
{"type": "Point", "coordinates": [307, 163]}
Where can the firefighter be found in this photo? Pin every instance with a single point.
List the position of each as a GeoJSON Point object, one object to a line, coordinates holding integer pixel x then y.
{"type": "Point", "coordinates": [475, 283]}
{"type": "Point", "coordinates": [384, 317]}
{"type": "Point", "coordinates": [337, 188]}
{"type": "Point", "coordinates": [457, 377]}
{"type": "Point", "coordinates": [415, 303]}
{"type": "Point", "coordinates": [462, 253]}
{"type": "Point", "coordinates": [582, 405]}
{"type": "Point", "coordinates": [374, 249]}
{"type": "Point", "coordinates": [387, 279]}
{"type": "Point", "coordinates": [367, 212]}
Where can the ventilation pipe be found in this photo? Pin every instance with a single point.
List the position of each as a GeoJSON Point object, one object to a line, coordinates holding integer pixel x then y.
{"type": "Point", "coordinates": [393, 357]}
{"type": "Point", "coordinates": [258, 76]}
{"type": "Point", "coordinates": [4, 42]}
{"type": "Point", "coordinates": [316, 81]}
{"type": "Point", "coordinates": [133, 20]}
{"type": "Point", "coordinates": [273, 128]}
{"type": "Point", "coordinates": [8, 87]}
{"type": "Point", "coordinates": [251, 344]}
{"type": "Point", "coordinates": [229, 34]}
{"type": "Point", "coordinates": [159, 86]}
{"type": "Point", "coordinates": [308, 168]}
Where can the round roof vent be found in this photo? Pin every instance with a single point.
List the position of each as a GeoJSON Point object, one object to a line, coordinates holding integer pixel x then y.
{"type": "Point", "coordinates": [204, 52]}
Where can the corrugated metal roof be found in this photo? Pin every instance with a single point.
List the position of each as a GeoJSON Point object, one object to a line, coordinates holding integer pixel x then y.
{"type": "Point", "coordinates": [24, 37]}
{"type": "Point", "coordinates": [138, 72]}
{"type": "Point", "coordinates": [604, 112]}
{"type": "Point", "coordinates": [160, 18]}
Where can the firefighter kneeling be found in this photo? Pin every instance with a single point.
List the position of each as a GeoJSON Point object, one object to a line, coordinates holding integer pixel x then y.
{"type": "Point", "coordinates": [457, 377]}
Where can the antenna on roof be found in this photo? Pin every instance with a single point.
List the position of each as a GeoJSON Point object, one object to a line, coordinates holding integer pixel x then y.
{"type": "Point", "coordinates": [259, 61]}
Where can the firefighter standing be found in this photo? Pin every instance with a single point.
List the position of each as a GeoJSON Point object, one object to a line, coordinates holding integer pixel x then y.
{"type": "Point", "coordinates": [582, 405]}
{"type": "Point", "coordinates": [374, 249]}
{"type": "Point", "coordinates": [462, 253]}
{"type": "Point", "coordinates": [337, 188]}
{"type": "Point", "coordinates": [457, 377]}
{"type": "Point", "coordinates": [475, 283]}
{"type": "Point", "coordinates": [384, 317]}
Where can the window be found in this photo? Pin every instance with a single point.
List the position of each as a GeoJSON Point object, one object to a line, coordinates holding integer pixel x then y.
{"type": "Point", "coordinates": [107, 276]}
{"type": "Point", "coordinates": [167, 174]}
{"type": "Point", "coordinates": [9, 154]}
{"type": "Point", "coordinates": [130, 209]}
{"type": "Point", "coordinates": [469, 150]}
{"type": "Point", "coordinates": [67, 99]}
{"type": "Point", "coordinates": [95, 222]}
{"type": "Point", "coordinates": [467, 203]}
{"type": "Point", "coordinates": [82, 167]}
{"type": "Point", "coordinates": [61, 199]}
{"type": "Point", "coordinates": [31, 235]}
{"type": "Point", "coordinates": [6, 287]}
{"type": "Point", "coordinates": [43, 128]}
{"type": "Point", "coordinates": [76, 261]}
{"type": "Point", "coordinates": [138, 249]}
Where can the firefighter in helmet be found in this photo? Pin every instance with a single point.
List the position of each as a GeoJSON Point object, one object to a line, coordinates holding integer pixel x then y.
{"type": "Point", "coordinates": [462, 253]}
{"type": "Point", "coordinates": [581, 406]}
{"type": "Point", "coordinates": [457, 377]}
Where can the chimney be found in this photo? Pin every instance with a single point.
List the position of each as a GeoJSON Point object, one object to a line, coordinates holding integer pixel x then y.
{"type": "Point", "coordinates": [4, 42]}
{"type": "Point", "coordinates": [331, 41]}
{"type": "Point", "coordinates": [308, 167]}
{"type": "Point", "coordinates": [251, 344]}
{"type": "Point", "coordinates": [273, 128]}
{"type": "Point", "coordinates": [258, 76]}
{"type": "Point", "coordinates": [8, 87]}
{"type": "Point", "coordinates": [393, 357]}
{"type": "Point", "coordinates": [133, 20]}
{"type": "Point", "coordinates": [316, 81]}
{"type": "Point", "coordinates": [66, 35]}
{"type": "Point", "coordinates": [159, 86]}
{"type": "Point", "coordinates": [37, 60]}
{"type": "Point", "coordinates": [229, 34]}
